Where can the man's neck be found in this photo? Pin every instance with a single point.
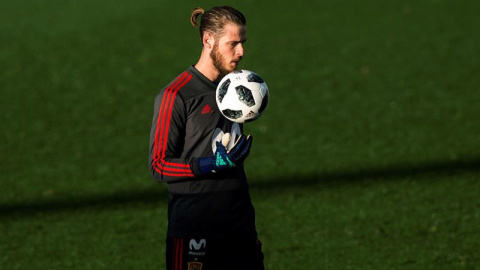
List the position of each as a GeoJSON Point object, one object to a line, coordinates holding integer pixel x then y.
{"type": "Point", "coordinates": [206, 67]}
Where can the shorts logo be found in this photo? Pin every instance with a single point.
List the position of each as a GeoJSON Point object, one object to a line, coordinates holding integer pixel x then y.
{"type": "Point", "coordinates": [194, 266]}
{"type": "Point", "coordinates": [197, 248]}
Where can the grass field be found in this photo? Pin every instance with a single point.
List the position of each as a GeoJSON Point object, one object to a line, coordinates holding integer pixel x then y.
{"type": "Point", "coordinates": [368, 156]}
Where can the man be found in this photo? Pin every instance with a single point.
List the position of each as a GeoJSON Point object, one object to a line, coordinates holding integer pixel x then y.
{"type": "Point", "coordinates": [211, 220]}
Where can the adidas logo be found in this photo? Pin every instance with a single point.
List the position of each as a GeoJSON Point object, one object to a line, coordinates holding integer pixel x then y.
{"type": "Point", "coordinates": [250, 114]}
{"type": "Point", "coordinates": [207, 109]}
{"type": "Point", "coordinates": [222, 162]}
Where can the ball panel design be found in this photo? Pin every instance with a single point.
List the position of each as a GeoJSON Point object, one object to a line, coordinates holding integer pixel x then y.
{"type": "Point", "coordinates": [253, 77]}
{"type": "Point", "coordinates": [245, 95]}
{"type": "Point", "coordinates": [264, 89]}
{"type": "Point", "coordinates": [233, 114]}
{"type": "Point", "coordinates": [264, 105]}
{"type": "Point", "coordinates": [222, 90]}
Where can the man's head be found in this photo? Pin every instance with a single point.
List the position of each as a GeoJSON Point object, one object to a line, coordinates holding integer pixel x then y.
{"type": "Point", "coordinates": [223, 32]}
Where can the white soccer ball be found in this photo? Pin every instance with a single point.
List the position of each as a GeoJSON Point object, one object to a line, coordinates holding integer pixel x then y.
{"type": "Point", "coordinates": [242, 96]}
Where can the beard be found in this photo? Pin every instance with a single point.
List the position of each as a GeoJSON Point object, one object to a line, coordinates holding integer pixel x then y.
{"type": "Point", "coordinates": [219, 62]}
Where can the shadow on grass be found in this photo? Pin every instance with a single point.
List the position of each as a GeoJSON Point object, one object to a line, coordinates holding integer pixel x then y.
{"type": "Point", "coordinates": [156, 196]}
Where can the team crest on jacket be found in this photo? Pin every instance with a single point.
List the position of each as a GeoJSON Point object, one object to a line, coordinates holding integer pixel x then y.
{"type": "Point", "coordinates": [195, 266]}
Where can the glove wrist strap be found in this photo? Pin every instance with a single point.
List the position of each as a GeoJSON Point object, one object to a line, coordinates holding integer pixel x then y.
{"type": "Point", "coordinates": [205, 165]}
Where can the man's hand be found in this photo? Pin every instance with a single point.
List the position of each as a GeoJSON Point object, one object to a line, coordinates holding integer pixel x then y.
{"type": "Point", "coordinates": [223, 159]}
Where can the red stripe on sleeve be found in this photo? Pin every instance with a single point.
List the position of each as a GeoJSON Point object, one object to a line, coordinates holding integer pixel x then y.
{"type": "Point", "coordinates": [161, 115]}
{"type": "Point", "coordinates": [168, 126]}
{"type": "Point", "coordinates": [163, 126]}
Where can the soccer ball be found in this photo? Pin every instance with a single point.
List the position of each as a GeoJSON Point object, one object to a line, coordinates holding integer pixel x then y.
{"type": "Point", "coordinates": [242, 96]}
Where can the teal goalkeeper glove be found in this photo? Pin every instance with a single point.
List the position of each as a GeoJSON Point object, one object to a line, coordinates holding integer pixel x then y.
{"type": "Point", "coordinates": [223, 159]}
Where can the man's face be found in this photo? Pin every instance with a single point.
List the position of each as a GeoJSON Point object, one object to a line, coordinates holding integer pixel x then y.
{"type": "Point", "coordinates": [228, 48]}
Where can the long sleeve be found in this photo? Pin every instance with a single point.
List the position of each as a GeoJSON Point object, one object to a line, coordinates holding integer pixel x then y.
{"type": "Point", "coordinates": [167, 136]}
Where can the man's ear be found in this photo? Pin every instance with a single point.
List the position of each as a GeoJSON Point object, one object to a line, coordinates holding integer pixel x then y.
{"type": "Point", "coordinates": [208, 40]}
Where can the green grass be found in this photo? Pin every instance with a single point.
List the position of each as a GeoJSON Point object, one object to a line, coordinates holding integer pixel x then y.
{"type": "Point", "coordinates": [368, 156]}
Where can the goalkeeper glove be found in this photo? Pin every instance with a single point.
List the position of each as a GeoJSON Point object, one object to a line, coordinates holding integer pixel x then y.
{"type": "Point", "coordinates": [223, 159]}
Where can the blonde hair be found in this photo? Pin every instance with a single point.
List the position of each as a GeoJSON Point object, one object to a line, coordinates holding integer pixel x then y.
{"type": "Point", "coordinates": [214, 19]}
{"type": "Point", "coordinates": [195, 13]}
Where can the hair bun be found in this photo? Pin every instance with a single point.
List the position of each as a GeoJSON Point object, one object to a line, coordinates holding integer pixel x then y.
{"type": "Point", "coordinates": [193, 18]}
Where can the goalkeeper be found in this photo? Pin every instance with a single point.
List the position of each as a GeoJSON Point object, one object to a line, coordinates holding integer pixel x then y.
{"type": "Point", "coordinates": [199, 154]}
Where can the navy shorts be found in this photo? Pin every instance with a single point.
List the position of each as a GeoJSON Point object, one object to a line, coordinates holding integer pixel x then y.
{"type": "Point", "coordinates": [228, 253]}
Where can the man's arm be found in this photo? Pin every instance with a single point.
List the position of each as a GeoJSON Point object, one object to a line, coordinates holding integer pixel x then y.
{"type": "Point", "coordinates": [167, 136]}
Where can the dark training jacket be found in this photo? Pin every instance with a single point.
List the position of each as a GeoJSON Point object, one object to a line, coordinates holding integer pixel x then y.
{"type": "Point", "coordinates": [186, 123]}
